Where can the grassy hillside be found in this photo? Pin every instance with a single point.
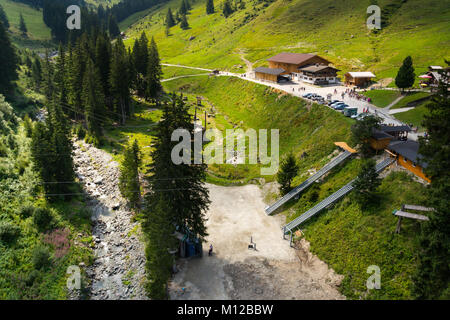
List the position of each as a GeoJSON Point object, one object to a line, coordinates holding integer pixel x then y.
{"type": "Point", "coordinates": [334, 29]}
{"type": "Point", "coordinates": [37, 30]}
{"type": "Point", "coordinates": [350, 240]}
{"type": "Point", "coordinates": [304, 128]}
{"type": "Point", "coordinates": [38, 240]}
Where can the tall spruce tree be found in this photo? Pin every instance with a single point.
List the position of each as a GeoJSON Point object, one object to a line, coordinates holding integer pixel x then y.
{"type": "Point", "coordinates": [366, 183]}
{"type": "Point", "coordinates": [432, 278]}
{"type": "Point", "coordinates": [4, 18]}
{"type": "Point", "coordinates": [287, 173]}
{"type": "Point", "coordinates": [362, 132]}
{"type": "Point", "coordinates": [22, 25]}
{"type": "Point", "coordinates": [120, 80]}
{"type": "Point", "coordinates": [102, 61]}
{"type": "Point", "coordinates": [94, 101]}
{"type": "Point", "coordinates": [36, 72]}
{"type": "Point", "coordinates": [77, 66]}
{"type": "Point", "coordinates": [177, 198]}
{"type": "Point", "coordinates": [60, 77]}
{"type": "Point", "coordinates": [170, 21]}
{"type": "Point", "coordinates": [154, 72]}
{"type": "Point", "coordinates": [209, 6]}
{"type": "Point", "coordinates": [405, 76]}
{"type": "Point", "coordinates": [227, 9]}
{"type": "Point", "coordinates": [113, 27]}
{"type": "Point", "coordinates": [184, 23]}
{"type": "Point", "coordinates": [129, 183]}
{"type": "Point", "coordinates": [8, 62]}
{"type": "Point", "coordinates": [183, 8]}
{"type": "Point", "coordinates": [48, 75]}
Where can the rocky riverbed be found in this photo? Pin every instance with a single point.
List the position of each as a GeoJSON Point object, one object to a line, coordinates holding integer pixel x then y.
{"type": "Point", "coordinates": [118, 271]}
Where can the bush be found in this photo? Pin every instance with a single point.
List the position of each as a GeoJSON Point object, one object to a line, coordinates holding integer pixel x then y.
{"type": "Point", "coordinates": [80, 132]}
{"type": "Point", "coordinates": [26, 211]}
{"type": "Point", "coordinates": [8, 232]}
{"type": "Point", "coordinates": [43, 219]}
{"type": "Point", "coordinates": [41, 257]}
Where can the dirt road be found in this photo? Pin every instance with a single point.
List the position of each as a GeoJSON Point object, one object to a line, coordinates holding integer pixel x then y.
{"type": "Point", "coordinates": [272, 271]}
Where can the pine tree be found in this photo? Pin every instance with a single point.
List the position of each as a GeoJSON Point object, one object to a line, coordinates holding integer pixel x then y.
{"type": "Point", "coordinates": [183, 9]}
{"type": "Point", "coordinates": [102, 61]}
{"type": "Point", "coordinates": [227, 9]}
{"type": "Point", "coordinates": [120, 81]}
{"type": "Point", "coordinates": [366, 183]}
{"type": "Point", "coordinates": [405, 76]}
{"type": "Point", "coordinates": [113, 27]}
{"type": "Point", "coordinates": [432, 277]}
{"type": "Point", "coordinates": [154, 73]}
{"type": "Point", "coordinates": [159, 245]}
{"type": "Point", "coordinates": [4, 18]}
{"type": "Point", "coordinates": [129, 183]}
{"type": "Point", "coordinates": [93, 100]}
{"type": "Point", "coordinates": [36, 72]}
{"type": "Point", "coordinates": [60, 77]}
{"type": "Point", "coordinates": [362, 132]}
{"type": "Point", "coordinates": [287, 173]}
{"type": "Point", "coordinates": [48, 74]}
{"type": "Point", "coordinates": [22, 26]}
{"type": "Point", "coordinates": [184, 23]}
{"type": "Point", "coordinates": [8, 62]}
{"type": "Point", "coordinates": [189, 199]}
{"type": "Point", "coordinates": [76, 69]}
{"type": "Point", "coordinates": [170, 22]}
{"type": "Point", "coordinates": [209, 6]}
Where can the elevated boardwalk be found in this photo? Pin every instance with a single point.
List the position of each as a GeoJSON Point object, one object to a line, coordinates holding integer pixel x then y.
{"type": "Point", "coordinates": [288, 228]}
{"type": "Point", "coordinates": [305, 184]}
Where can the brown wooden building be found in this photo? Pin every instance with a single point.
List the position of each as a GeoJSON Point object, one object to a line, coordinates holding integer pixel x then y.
{"type": "Point", "coordinates": [290, 62]}
{"type": "Point", "coordinates": [317, 74]}
{"type": "Point", "coordinates": [408, 157]}
{"type": "Point", "coordinates": [359, 79]}
{"type": "Point", "coordinates": [268, 74]}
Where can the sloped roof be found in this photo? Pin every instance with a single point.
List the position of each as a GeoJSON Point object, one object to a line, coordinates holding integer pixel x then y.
{"type": "Point", "coordinates": [387, 128]}
{"type": "Point", "coordinates": [316, 68]}
{"type": "Point", "coordinates": [408, 149]}
{"type": "Point", "coordinates": [292, 58]}
{"type": "Point", "coordinates": [365, 74]}
{"type": "Point", "coordinates": [379, 135]}
{"type": "Point", "coordinates": [273, 71]}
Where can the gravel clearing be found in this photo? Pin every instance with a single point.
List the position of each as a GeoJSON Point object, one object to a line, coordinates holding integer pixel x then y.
{"type": "Point", "coordinates": [273, 271]}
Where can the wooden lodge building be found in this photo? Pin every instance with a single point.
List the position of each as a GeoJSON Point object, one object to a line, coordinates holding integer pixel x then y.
{"type": "Point", "coordinates": [317, 74]}
{"type": "Point", "coordinates": [268, 74]}
{"type": "Point", "coordinates": [359, 79]}
{"type": "Point", "coordinates": [408, 156]}
{"type": "Point", "coordinates": [299, 66]}
{"type": "Point", "coordinates": [384, 135]}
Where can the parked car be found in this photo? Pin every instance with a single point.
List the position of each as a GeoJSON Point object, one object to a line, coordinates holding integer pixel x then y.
{"type": "Point", "coordinates": [361, 116]}
{"type": "Point", "coordinates": [350, 111]}
{"type": "Point", "coordinates": [336, 103]}
{"type": "Point", "coordinates": [340, 107]}
{"type": "Point", "coordinates": [307, 95]}
{"type": "Point", "coordinates": [333, 101]}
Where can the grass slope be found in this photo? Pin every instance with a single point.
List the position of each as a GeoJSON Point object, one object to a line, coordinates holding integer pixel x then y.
{"type": "Point", "coordinates": [350, 240]}
{"type": "Point", "coordinates": [243, 104]}
{"type": "Point", "coordinates": [37, 30]}
{"type": "Point", "coordinates": [334, 29]}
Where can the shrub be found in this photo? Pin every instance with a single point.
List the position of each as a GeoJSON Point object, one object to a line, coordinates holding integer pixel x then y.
{"type": "Point", "coordinates": [43, 219]}
{"type": "Point", "coordinates": [8, 232]}
{"type": "Point", "coordinates": [80, 132]}
{"type": "Point", "coordinates": [26, 211]}
{"type": "Point", "coordinates": [41, 257]}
